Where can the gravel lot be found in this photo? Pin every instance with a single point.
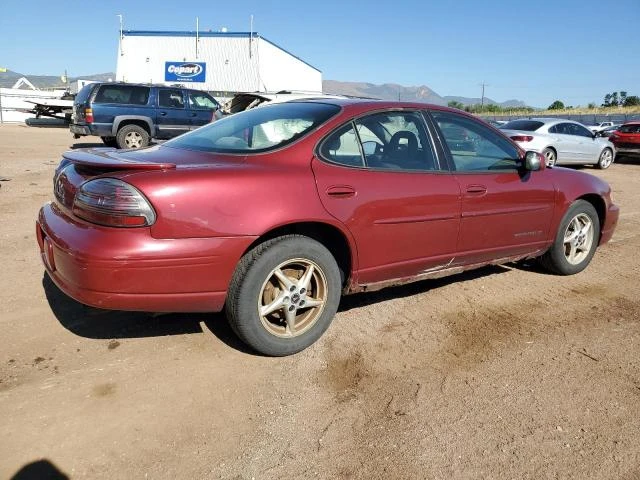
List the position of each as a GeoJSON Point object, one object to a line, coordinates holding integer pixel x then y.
{"type": "Point", "coordinates": [505, 372]}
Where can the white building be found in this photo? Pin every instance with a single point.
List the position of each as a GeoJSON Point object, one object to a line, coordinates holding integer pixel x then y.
{"type": "Point", "coordinates": [223, 62]}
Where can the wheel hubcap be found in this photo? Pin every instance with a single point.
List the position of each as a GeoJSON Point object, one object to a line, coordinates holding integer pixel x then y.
{"type": "Point", "coordinates": [133, 140]}
{"type": "Point", "coordinates": [578, 238]}
{"type": "Point", "coordinates": [605, 159]}
{"type": "Point", "coordinates": [292, 298]}
{"type": "Point", "coordinates": [551, 158]}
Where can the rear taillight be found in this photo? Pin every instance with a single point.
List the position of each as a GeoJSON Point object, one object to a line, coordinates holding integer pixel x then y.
{"type": "Point", "coordinates": [112, 202]}
{"type": "Point", "coordinates": [522, 138]}
{"type": "Point", "coordinates": [88, 115]}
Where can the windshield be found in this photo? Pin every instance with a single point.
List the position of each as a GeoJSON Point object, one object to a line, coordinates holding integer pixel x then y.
{"type": "Point", "coordinates": [526, 125]}
{"type": "Point", "coordinates": [258, 130]}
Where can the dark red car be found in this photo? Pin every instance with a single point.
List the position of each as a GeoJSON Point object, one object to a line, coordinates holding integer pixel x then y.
{"type": "Point", "coordinates": [273, 213]}
{"type": "Point", "coordinates": [627, 139]}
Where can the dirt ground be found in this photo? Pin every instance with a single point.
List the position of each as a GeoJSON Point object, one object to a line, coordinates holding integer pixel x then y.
{"type": "Point", "coordinates": [505, 372]}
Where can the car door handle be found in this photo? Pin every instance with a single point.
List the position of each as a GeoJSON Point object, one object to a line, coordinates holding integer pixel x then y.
{"type": "Point", "coordinates": [476, 189]}
{"type": "Point", "coordinates": [163, 114]}
{"type": "Point", "coordinates": [341, 191]}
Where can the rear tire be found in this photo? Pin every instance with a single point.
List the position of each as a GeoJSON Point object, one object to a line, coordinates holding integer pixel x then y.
{"type": "Point", "coordinates": [132, 136]}
{"type": "Point", "coordinates": [283, 295]}
{"type": "Point", "coordinates": [576, 241]}
{"type": "Point", "coordinates": [550, 156]}
{"type": "Point", "coordinates": [606, 159]}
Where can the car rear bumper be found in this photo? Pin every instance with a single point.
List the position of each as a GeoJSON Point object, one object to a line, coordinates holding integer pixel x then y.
{"type": "Point", "coordinates": [128, 269]}
{"type": "Point", "coordinates": [610, 223]}
{"type": "Point", "coordinates": [79, 129]}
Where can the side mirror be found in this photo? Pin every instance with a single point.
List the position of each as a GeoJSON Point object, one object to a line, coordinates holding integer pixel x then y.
{"type": "Point", "coordinates": [533, 161]}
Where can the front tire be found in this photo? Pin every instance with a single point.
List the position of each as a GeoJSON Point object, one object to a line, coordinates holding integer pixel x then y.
{"type": "Point", "coordinates": [283, 295]}
{"type": "Point", "coordinates": [132, 136]}
{"type": "Point", "coordinates": [606, 159]}
{"type": "Point", "coordinates": [576, 240]}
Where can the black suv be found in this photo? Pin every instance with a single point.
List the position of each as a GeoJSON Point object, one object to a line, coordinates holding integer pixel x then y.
{"type": "Point", "coordinates": [129, 115]}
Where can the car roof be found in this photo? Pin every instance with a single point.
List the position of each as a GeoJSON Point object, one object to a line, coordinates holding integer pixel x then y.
{"type": "Point", "coordinates": [127, 84]}
{"type": "Point", "coordinates": [631, 122]}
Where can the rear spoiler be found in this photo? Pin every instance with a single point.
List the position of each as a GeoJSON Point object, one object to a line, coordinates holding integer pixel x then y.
{"type": "Point", "coordinates": [112, 159]}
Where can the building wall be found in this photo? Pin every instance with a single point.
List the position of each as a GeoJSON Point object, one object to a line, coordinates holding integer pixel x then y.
{"type": "Point", "coordinates": [280, 70]}
{"type": "Point", "coordinates": [233, 62]}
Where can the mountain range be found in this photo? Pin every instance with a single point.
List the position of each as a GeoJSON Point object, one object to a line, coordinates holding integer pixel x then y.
{"type": "Point", "coordinates": [386, 91]}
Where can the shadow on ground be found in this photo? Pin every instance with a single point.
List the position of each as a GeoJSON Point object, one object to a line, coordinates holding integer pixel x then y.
{"type": "Point", "coordinates": [96, 323]}
{"type": "Point", "coordinates": [39, 470]}
{"type": "Point", "coordinates": [628, 160]}
{"type": "Point", "coordinates": [76, 146]}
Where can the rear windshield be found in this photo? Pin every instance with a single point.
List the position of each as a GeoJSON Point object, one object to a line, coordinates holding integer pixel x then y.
{"type": "Point", "coordinates": [526, 125]}
{"type": "Point", "coordinates": [633, 128]}
{"type": "Point", "coordinates": [127, 94]}
{"type": "Point", "coordinates": [84, 93]}
{"type": "Point", "coordinates": [257, 130]}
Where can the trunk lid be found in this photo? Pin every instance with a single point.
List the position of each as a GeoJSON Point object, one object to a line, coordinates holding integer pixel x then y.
{"type": "Point", "coordinates": [79, 166]}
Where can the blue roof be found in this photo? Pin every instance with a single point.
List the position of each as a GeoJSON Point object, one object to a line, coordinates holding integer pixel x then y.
{"type": "Point", "coordinates": [206, 33]}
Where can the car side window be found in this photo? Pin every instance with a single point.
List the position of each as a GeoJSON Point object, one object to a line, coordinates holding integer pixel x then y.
{"type": "Point", "coordinates": [122, 94]}
{"type": "Point", "coordinates": [395, 141]}
{"type": "Point", "coordinates": [202, 101]}
{"type": "Point", "coordinates": [170, 98]}
{"type": "Point", "coordinates": [582, 131]}
{"type": "Point", "coordinates": [342, 147]}
{"type": "Point", "coordinates": [474, 147]}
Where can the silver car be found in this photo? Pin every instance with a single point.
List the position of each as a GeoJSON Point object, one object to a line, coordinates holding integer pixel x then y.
{"type": "Point", "coordinates": [561, 141]}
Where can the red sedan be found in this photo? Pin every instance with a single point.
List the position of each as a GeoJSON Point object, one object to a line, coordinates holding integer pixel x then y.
{"type": "Point", "coordinates": [274, 213]}
{"type": "Point", "coordinates": [627, 139]}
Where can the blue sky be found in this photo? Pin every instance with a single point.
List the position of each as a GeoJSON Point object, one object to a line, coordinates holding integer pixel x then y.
{"type": "Point", "coordinates": [575, 51]}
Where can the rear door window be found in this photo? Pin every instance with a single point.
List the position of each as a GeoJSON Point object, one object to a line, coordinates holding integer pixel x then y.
{"type": "Point", "coordinates": [395, 141]}
{"type": "Point", "coordinates": [123, 94]}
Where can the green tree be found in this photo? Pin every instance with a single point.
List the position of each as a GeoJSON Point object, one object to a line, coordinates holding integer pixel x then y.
{"type": "Point", "coordinates": [614, 100]}
{"type": "Point", "coordinates": [623, 97]}
{"type": "Point", "coordinates": [607, 100]}
{"type": "Point", "coordinates": [591, 105]}
{"type": "Point", "coordinates": [632, 101]}
{"type": "Point", "coordinates": [557, 105]}
{"type": "Point", "coordinates": [455, 104]}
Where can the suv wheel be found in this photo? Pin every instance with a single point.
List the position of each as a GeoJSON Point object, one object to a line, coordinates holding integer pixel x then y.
{"type": "Point", "coordinates": [132, 136]}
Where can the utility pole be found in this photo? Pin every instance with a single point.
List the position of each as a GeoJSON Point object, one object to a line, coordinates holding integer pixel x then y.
{"type": "Point", "coordinates": [482, 99]}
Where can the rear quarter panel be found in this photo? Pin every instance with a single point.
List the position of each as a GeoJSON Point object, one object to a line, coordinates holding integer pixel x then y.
{"type": "Point", "coordinates": [240, 199]}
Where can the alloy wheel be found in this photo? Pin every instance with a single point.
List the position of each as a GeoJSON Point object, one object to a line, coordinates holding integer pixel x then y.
{"type": "Point", "coordinates": [578, 238]}
{"type": "Point", "coordinates": [292, 298]}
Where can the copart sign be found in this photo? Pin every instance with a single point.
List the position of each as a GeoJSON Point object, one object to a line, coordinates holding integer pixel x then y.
{"type": "Point", "coordinates": [185, 71]}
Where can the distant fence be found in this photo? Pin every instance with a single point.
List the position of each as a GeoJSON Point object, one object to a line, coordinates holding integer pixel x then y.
{"type": "Point", "coordinates": [584, 118]}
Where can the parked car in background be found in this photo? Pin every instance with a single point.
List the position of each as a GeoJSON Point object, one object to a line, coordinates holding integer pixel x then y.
{"type": "Point", "coordinates": [496, 123]}
{"type": "Point", "coordinates": [601, 126]}
{"type": "Point", "coordinates": [273, 213]}
{"type": "Point", "coordinates": [247, 100]}
{"type": "Point", "coordinates": [562, 142]}
{"type": "Point", "coordinates": [606, 133]}
{"type": "Point", "coordinates": [127, 115]}
{"type": "Point", "coordinates": [627, 138]}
